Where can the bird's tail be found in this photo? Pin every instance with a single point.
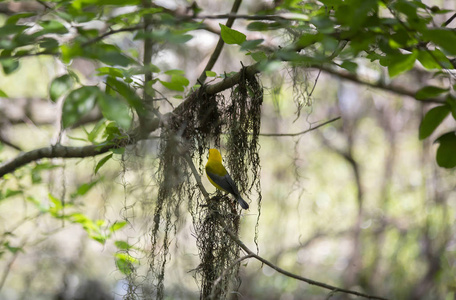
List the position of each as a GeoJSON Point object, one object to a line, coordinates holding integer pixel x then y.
{"type": "Point", "coordinates": [243, 204]}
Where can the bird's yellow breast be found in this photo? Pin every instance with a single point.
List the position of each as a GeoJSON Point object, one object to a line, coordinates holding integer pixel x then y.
{"type": "Point", "coordinates": [215, 167]}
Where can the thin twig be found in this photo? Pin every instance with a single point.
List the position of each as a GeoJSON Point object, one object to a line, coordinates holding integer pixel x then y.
{"type": "Point", "coordinates": [111, 32]}
{"type": "Point", "coordinates": [315, 83]}
{"type": "Point", "coordinates": [197, 176]}
{"type": "Point", "coordinates": [302, 132]}
{"type": "Point", "coordinates": [449, 20]}
{"type": "Point", "coordinates": [249, 17]}
{"type": "Point", "coordinates": [45, 5]}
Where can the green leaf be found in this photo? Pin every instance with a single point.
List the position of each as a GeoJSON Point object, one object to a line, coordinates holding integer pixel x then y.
{"type": "Point", "coordinates": [16, 17]}
{"type": "Point", "coordinates": [115, 109]}
{"type": "Point", "coordinates": [211, 74]}
{"type": "Point", "coordinates": [143, 69]}
{"type": "Point", "coordinates": [309, 39]}
{"type": "Point", "coordinates": [111, 71]}
{"type": "Point", "coordinates": [10, 193]}
{"type": "Point", "coordinates": [323, 23]}
{"type": "Point", "coordinates": [122, 245]}
{"type": "Point", "coordinates": [12, 249]}
{"type": "Point", "coordinates": [102, 162]}
{"type": "Point", "coordinates": [452, 103]}
{"type": "Point", "coordinates": [37, 204]}
{"type": "Point", "coordinates": [119, 151]}
{"type": "Point", "coordinates": [400, 63]}
{"type": "Point", "coordinates": [3, 94]}
{"type": "Point", "coordinates": [164, 36]}
{"type": "Point", "coordinates": [112, 131]}
{"type": "Point", "coordinates": [70, 51]}
{"type": "Point", "coordinates": [60, 86]}
{"type": "Point", "coordinates": [124, 263]}
{"type": "Point", "coordinates": [48, 43]}
{"type": "Point", "coordinates": [117, 226]}
{"type": "Point", "coordinates": [429, 92]}
{"type": "Point", "coordinates": [78, 103]}
{"type": "Point", "coordinates": [355, 13]}
{"type": "Point", "coordinates": [177, 83]}
{"type": "Point", "coordinates": [446, 157]}
{"type": "Point", "coordinates": [111, 55]}
{"type": "Point", "coordinates": [259, 56]}
{"type": "Point", "coordinates": [264, 26]}
{"type": "Point", "coordinates": [77, 138]}
{"type": "Point", "coordinates": [128, 93]}
{"type": "Point", "coordinates": [93, 229]}
{"type": "Point", "coordinates": [175, 72]}
{"type": "Point", "coordinates": [56, 206]}
{"type": "Point", "coordinates": [432, 120]}
{"type": "Point", "coordinates": [84, 188]}
{"type": "Point", "coordinates": [10, 29]}
{"type": "Point", "coordinates": [427, 60]}
{"type": "Point", "coordinates": [231, 36]}
{"type": "Point", "coordinates": [349, 66]}
{"type": "Point", "coordinates": [442, 37]}
{"type": "Point", "coordinates": [250, 45]}
{"type": "Point", "coordinates": [96, 130]}
{"type": "Point", "coordinates": [9, 65]}
{"type": "Point", "coordinates": [52, 26]}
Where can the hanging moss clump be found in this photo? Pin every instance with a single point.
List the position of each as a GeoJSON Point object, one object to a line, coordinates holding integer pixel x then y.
{"type": "Point", "coordinates": [195, 126]}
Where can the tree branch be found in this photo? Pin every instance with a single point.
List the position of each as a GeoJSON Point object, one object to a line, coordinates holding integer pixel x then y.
{"type": "Point", "coordinates": [377, 85]}
{"type": "Point", "coordinates": [250, 17]}
{"type": "Point", "coordinates": [218, 49]}
{"type": "Point", "coordinates": [449, 20]}
{"type": "Point", "coordinates": [286, 273]}
{"type": "Point", "coordinates": [302, 132]}
{"type": "Point", "coordinates": [111, 32]}
{"type": "Point", "coordinates": [52, 152]}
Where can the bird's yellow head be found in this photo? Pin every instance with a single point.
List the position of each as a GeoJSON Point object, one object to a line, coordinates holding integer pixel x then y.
{"type": "Point", "coordinates": [214, 155]}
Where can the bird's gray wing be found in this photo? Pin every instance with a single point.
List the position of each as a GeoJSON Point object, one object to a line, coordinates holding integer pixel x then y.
{"type": "Point", "coordinates": [225, 182]}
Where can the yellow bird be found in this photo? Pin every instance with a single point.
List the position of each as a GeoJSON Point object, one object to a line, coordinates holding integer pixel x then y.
{"type": "Point", "coordinates": [219, 177]}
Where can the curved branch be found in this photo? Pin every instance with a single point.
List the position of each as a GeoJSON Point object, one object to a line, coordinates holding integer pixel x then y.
{"type": "Point", "coordinates": [378, 85]}
{"type": "Point", "coordinates": [52, 152]}
{"type": "Point", "coordinates": [286, 273]}
{"type": "Point", "coordinates": [250, 253]}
